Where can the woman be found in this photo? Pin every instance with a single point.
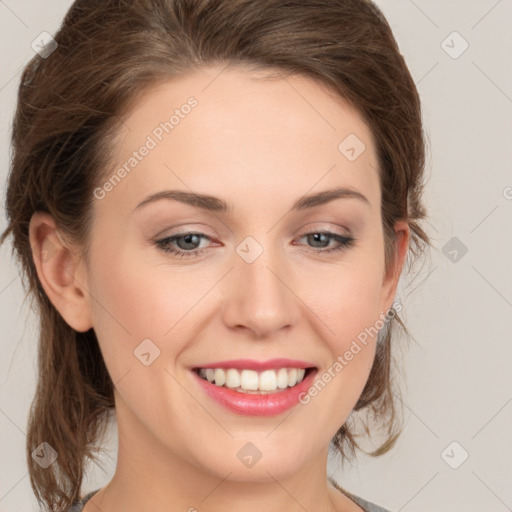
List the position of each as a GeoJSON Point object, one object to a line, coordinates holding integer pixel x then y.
{"type": "Point", "coordinates": [213, 202]}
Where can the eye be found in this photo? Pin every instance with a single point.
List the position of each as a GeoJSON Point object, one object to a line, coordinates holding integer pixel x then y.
{"type": "Point", "coordinates": [343, 241]}
{"type": "Point", "coordinates": [187, 243]}
{"type": "Point", "coordinates": [189, 239]}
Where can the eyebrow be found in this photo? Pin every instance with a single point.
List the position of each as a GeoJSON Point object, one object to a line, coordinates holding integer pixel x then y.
{"type": "Point", "coordinates": [214, 204]}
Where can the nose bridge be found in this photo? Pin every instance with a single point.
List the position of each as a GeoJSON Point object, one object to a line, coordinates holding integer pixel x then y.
{"type": "Point", "coordinates": [259, 266]}
{"type": "Point", "coordinates": [260, 298]}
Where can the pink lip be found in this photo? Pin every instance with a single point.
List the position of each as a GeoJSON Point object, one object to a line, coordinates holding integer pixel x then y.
{"type": "Point", "coordinates": [254, 404]}
{"type": "Point", "coordinates": [259, 366]}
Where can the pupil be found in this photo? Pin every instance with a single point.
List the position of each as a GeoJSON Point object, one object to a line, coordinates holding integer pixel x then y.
{"type": "Point", "coordinates": [317, 235]}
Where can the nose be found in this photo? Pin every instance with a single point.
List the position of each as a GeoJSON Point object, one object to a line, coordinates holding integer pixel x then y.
{"type": "Point", "coordinates": [260, 297]}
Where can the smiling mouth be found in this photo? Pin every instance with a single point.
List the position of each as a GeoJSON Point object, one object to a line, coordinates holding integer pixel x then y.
{"type": "Point", "coordinates": [253, 382]}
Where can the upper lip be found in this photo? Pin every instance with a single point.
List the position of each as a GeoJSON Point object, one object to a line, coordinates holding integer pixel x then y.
{"type": "Point", "coordinates": [252, 364]}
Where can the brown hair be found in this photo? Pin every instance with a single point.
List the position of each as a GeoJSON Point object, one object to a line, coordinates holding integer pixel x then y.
{"type": "Point", "coordinates": [68, 110]}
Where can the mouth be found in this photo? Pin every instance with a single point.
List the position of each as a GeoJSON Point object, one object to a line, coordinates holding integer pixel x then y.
{"type": "Point", "coordinates": [243, 380]}
{"type": "Point", "coordinates": [266, 391]}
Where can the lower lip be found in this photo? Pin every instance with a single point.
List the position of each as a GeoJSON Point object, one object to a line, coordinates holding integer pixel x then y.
{"type": "Point", "coordinates": [249, 404]}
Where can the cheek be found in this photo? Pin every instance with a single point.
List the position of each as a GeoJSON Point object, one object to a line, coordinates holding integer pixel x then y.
{"type": "Point", "coordinates": [130, 304]}
{"type": "Point", "coordinates": [345, 298]}
{"type": "Point", "coordinates": [137, 299]}
{"type": "Point", "coordinates": [355, 327]}
{"type": "Point", "coordinates": [348, 309]}
{"type": "Point", "coordinates": [348, 315]}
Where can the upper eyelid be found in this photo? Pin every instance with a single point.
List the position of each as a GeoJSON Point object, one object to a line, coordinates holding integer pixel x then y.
{"type": "Point", "coordinates": [312, 227]}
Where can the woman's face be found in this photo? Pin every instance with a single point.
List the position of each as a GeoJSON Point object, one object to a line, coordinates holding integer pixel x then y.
{"type": "Point", "coordinates": [256, 282]}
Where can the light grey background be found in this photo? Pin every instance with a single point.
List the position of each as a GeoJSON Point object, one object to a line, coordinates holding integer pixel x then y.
{"type": "Point", "coordinates": [458, 379]}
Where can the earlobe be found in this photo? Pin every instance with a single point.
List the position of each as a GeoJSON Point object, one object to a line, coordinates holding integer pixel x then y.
{"type": "Point", "coordinates": [58, 268]}
{"type": "Point", "coordinates": [392, 278]}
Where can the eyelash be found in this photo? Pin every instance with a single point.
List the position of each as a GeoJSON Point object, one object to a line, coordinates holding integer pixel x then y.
{"type": "Point", "coordinates": [164, 244]}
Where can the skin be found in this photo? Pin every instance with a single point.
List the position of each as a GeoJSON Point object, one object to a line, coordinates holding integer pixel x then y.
{"type": "Point", "coordinates": [259, 144]}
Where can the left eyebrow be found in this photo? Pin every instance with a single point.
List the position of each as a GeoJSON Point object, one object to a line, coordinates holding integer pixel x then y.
{"type": "Point", "coordinates": [215, 204]}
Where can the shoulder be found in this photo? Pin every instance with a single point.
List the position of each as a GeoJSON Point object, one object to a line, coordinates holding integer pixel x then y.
{"type": "Point", "coordinates": [367, 506]}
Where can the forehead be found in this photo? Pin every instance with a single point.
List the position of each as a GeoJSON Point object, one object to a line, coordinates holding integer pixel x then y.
{"type": "Point", "coordinates": [236, 133]}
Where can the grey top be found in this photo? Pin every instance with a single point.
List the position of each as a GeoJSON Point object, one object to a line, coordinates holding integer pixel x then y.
{"type": "Point", "coordinates": [365, 505]}
{"type": "Point", "coordinates": [77, 507]}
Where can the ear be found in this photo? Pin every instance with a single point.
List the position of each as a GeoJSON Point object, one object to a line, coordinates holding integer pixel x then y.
{"type": "Point", "coordinates": [392, 277]}
{"type": "Point", "coordinates": [60, 271]}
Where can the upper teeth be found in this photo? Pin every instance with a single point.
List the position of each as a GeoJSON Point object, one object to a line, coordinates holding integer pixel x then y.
{"type": "Point", "coordinates": [268, 380]}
